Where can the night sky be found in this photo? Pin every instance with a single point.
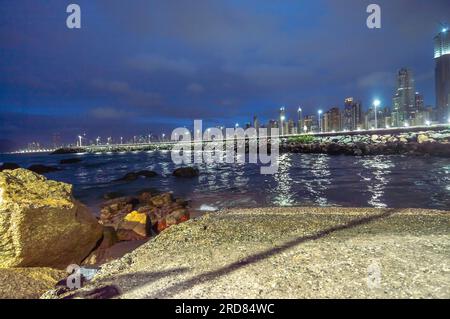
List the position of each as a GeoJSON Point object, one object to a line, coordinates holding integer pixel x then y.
{"type": "Point", "coordinates": [143, 66]}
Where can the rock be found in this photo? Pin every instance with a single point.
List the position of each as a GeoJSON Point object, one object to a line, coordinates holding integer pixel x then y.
{"type": "Point", "coordinates": [162, 200]}
{"type": "Point", "coordinates": [41, 224]}
{"type": "Point", "coordinates": [10, 166]}
{"type": "Point", "coordinates": [110, 238]}
{"type": "Point", "coordinates": [147, 174]}
{"type": "Point", "coordinates": [70, 161]}
{"type": "Point", "coordinates": [186, 172]}
{"type": "Point", "coordinates": [28, 283]}
{"type": "Point", "coordinates": [137, 222]}
{"type": "Point", "coordinates": [68, 151]}
{"type": "Point", "coordinates": [113, 195]}
{"type": "Point", "coordinates": [422, 138]}
{"type": "Point", "coordinates": [374, 138]}
{"type": "Point", "coordinates": [43, 169]}
{"type": "Point", "coordinates": [129, 177]}
{"type": "Point", "coordinates": [113, 211]}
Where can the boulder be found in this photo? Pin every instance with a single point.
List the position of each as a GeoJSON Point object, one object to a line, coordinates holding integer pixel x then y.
{"type": "Point", "coordinates": [70, 161]}
{"type": "Point", "coordinates": [136, 222]}
{"type": "Point", "coordinates": [41, 224]}
{"type": "Point", "coordinates": [186, 172]}
{"type": "Point", "coordinates": [422, 138]}
{"type": "Point", "coordinates": [10, 166]}
{"type": "Point", "coordinates": [28, 283]}
{"type": "Point", "coordinates": [129, 177]}
{"type": "Point", "coordinates": [43, 169]}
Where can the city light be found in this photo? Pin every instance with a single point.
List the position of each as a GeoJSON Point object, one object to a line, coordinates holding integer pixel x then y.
{"type": "Point", "coordinates": [283, 118]}
{"type": "Point", "coordinates": [406, 124]}
{"type": "Point", "coordinates": [376, 103]}
{"type": "Point", "coordinates": [428, 123]}
{"type": "Point", "coordinates": [444, 30]}
{"type": "Point", "coordinates": [299, 109]}
{"type": "Point", "coordinates": [237, 125]}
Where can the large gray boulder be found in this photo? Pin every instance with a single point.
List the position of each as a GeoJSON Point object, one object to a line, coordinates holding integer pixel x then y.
{"type": "Point", "coordinates": [41, 224]}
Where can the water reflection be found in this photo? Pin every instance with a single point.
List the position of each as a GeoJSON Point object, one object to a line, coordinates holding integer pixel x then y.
{"type": "Point", "coordinates": [284, 193]}
{"type": "Point", "coordinates": [377, 175]}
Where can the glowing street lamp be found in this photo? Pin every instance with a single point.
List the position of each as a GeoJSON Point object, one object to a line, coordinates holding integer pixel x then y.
{"type": "Point", "coordinates": [80, 138]}
{"type": "Point", "coordinates": [376, 104]}
{"type": "Point", "coordinates": [237, 125]}
{"type": "Point", "coordinates": [428, 123]}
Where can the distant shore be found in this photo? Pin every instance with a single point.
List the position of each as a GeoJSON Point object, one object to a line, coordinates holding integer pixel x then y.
{"type": "Point", "coordinates": [289, 253]}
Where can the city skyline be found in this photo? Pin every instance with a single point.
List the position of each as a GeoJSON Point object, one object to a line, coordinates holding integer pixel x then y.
{"type": "Point", "coordinates": [159, 80]}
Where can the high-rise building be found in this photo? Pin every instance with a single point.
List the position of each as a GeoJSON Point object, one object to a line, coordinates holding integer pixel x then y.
{"type": "Point", "coordinates": [282, 121]}
{"type": "Point", "coordinates": [300, 122]}
{"type": "Point", "coordinates": [404, 105]}
{"type": "Point", "coordinates": [352, 117]}
{"type": "Point", "coordinates": [332, 120]}
{"type": "Point", "coordinates": [256, 123]}
{"type": "Point", "coordinates": [442, 74]}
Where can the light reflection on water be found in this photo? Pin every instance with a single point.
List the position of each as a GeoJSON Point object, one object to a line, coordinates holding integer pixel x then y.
{"type": "Point", "coordinates": [376, 175]}
{"type": "Point", "coordinates": [302, 180]}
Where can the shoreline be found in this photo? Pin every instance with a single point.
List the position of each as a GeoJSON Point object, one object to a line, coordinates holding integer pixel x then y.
{"type": "Point", "coordinates": [297, 252]}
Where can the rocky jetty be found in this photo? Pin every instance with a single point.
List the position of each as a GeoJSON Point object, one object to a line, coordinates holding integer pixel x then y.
{"type": "Point", "coordinates": [408, 143]}
{"type": "Point", "coordinates": [41, 224]}
{"type": "Point", "coordinates": [288, 253]}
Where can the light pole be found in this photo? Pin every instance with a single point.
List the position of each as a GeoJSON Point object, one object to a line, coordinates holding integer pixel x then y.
{"type": "Point", "coordinates": [320, 121]}
{"type": "Point", "coordinates": [376, 104]}
{"type": "Point", "coordinates": [80, 140]}
{"type": "Point", "coordinates": [282, 118]}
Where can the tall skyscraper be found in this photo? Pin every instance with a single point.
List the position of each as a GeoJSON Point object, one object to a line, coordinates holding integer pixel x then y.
{"type": "Point", "coordinates": [256, 123]}
{"type": "Point", "coordinates": [300, 122]}
{"type": "Point", "coordinates": [404, 103]}
{"type": "Point", "coordinates": [442, 74]}
{"type": "Point", "coordinates": [352, 117]}
{"type": "Point", "coordinates": [282, 120]}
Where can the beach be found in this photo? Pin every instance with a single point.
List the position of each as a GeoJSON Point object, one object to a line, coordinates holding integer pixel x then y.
{"type": "Point", "coordinates": [289, 253]}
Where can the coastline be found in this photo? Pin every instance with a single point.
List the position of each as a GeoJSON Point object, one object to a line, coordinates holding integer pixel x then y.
{"type": "Point", "coordinates": [288, 253]}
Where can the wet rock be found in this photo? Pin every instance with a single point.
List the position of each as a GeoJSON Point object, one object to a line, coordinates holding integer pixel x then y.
{"type": "Point", "coordinates": [129, 177]}
{"type": "Point", "coordinates": [10, 166]}
{"type": "Point", "coordinates": [186, 172]}
{"type": "Point", "coordinates": [43, 169]}
{"type": "Point", "coordinates": [41, 224]}
{"type": "Point", "coordinates": [113, 195]}
{"type": "Point", "coordinates": [70, 161]}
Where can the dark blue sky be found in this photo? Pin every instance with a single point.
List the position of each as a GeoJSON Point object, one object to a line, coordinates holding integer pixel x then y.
{"type": "Point", "coordinates": [143, 66]}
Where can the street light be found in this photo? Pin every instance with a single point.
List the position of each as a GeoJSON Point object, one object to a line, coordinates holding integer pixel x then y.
{"type": "Point", "coordinates": [428, 123]}
{"type": "Point", "coordinates": [80, 138]}
{"type": "Point", "coordinates": [376, 104]}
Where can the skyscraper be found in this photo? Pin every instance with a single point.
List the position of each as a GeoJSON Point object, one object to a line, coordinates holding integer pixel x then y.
{"type": "Point", "coordinates": [404, 102]}
{"type": "Point", "coordinates": [442, 74]}
{"type": "Point", "coordinates": [282, 120]}
{"type": "Point", "coordinates": [352, 116]}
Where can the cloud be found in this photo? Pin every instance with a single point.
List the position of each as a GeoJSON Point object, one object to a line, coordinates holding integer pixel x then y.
{"type": "Point", "coordinates": [155, 63]}
{"type": "Point", "coordinates": [108, 113]}
{"type": "Point", "coordinates": [195, 88]}
{"type": "Point", "coordinates": [377, 79]}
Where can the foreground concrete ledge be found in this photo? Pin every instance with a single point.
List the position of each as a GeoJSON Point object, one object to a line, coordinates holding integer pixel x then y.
{"type": "Point", "coordinates": [290, 253]}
